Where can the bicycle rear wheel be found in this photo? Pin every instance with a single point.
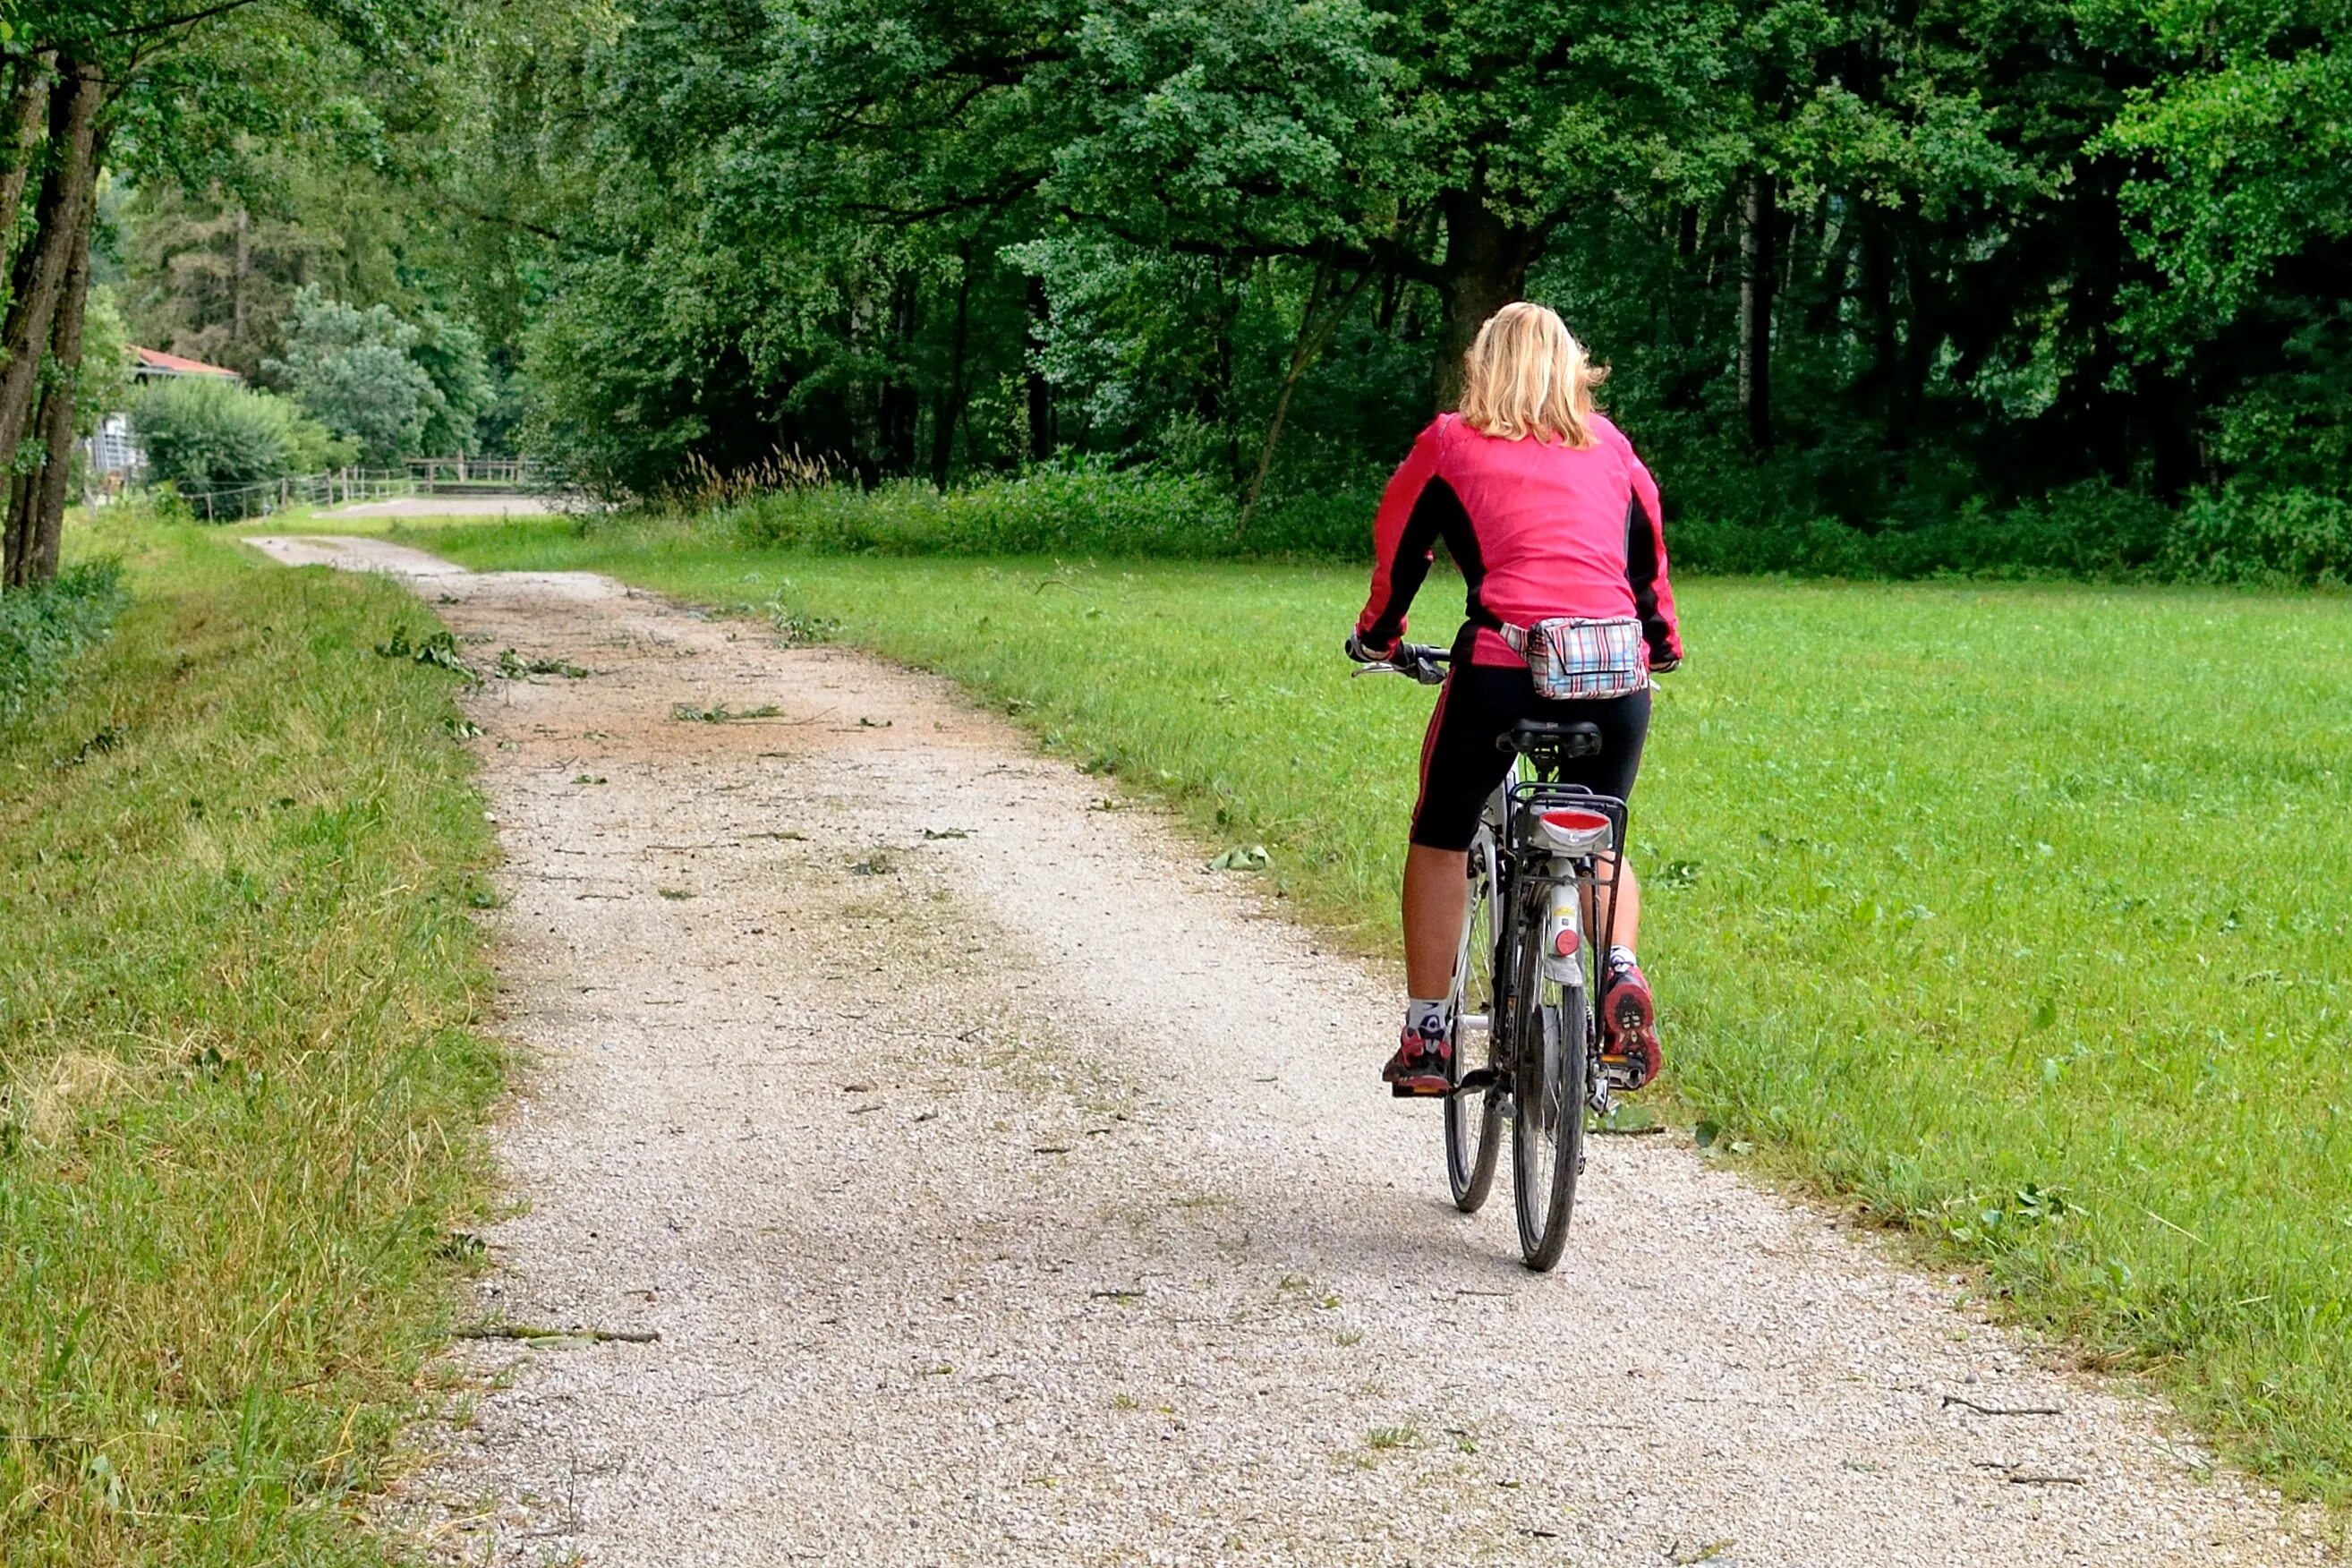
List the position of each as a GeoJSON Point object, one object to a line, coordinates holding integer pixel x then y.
{"type": "Point", "coordinates": [1548, 1133]}
{"type": "Point", "coordinates": [1474, 1119]}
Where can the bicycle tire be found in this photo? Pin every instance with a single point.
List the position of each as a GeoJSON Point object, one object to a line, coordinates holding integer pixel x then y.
{"type": "Point", "coordinates": [1547, 1127]}
{"type": "Point", "coordinates": [1473, 1122]}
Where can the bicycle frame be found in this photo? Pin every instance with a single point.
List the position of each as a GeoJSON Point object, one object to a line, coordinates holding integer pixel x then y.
{"type": "Point", "coordinates": [1560, 900]}
{"type": "Point", "coordinates": [1543, 866]}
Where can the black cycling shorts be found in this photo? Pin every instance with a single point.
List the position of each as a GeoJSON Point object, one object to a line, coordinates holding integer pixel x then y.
{"type": "Point", "coordinates": [1478, 706]}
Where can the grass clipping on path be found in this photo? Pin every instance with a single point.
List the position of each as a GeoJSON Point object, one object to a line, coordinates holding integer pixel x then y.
{"type": "Point", "coordinates": [239, 1087]}
{"type": "Point", "coordinates": [2019, 917]}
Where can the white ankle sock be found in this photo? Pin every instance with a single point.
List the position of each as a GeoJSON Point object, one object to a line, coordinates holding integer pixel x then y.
{"type": "Point", "coordinates": [1426, 1019]}
{"type": "Point", "coordinates": [1621, 957]}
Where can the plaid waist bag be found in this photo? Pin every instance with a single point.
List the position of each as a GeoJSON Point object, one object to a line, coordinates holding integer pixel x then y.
{"type": "Point", "coordinates": [1574, 658]}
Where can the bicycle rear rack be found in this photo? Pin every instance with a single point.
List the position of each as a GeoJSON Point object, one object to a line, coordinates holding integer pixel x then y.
{"type": "Point", "coordinates": [1528, 803]}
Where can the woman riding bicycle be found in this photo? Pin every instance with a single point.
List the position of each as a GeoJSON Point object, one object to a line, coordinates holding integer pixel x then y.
{"type": "Point", "coordinates": [1548, 514]}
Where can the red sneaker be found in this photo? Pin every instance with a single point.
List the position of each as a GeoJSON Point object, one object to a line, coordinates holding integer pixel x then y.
{"type": "Point", "coordinates": [1628, 1028]}
{"type": "Point", "coordinates": [1419, 1066]}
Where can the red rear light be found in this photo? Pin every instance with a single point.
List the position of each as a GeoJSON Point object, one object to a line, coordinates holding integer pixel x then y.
{"type": "Point", "coordinates": [1572, 830]}
{"type": "Point", "coordinates": [1565, 943]}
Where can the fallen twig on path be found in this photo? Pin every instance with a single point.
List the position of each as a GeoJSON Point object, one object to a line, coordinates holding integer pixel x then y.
{"type": "Point", "coordinates": [2019, 1475]}
{"type": "Point", "coordinates": [1952, 1399]}
{"type": "Point", "coordinates": [532, 1332]}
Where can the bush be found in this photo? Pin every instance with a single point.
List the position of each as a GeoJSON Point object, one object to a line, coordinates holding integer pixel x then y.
{"type": "Point", "coordinates": [2285, 537]}
{"type": "Point", "coordinates": [1090, 510]}
{"type": "Point", "coordinates": [1045, 511]}
{"type": "Point", "coordinates": [210, 439]}
{"type": "Point", "coordinates": [2091, 531]}
{"type": "Point", "coordinates": [42, 627]}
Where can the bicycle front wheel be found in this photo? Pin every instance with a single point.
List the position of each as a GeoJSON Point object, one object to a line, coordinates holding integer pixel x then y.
{"type": "Point", "coordinates": [1547, 1136]}
{"type": "Point", "coordinates": [1474, 1117]}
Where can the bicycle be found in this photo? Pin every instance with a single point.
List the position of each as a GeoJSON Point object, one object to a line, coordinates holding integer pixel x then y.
{"type": "Point", "coordinates": [1527, 975]}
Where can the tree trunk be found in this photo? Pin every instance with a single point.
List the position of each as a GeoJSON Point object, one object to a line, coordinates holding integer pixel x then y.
{"type": "Point", "coordinates": [1877, 288]}
{"type": "Point", "coordinates": [240, 268]}
{"type": "Point", "coordinates": [950, 403]}
{"type": "Point", "coordinates": [1485, 268]}
{"type": "Point", "coordinates": [900, 405]}
{"type": "Point", "coordinates": [1041, 394]}
{"type": "Point", "coordinates": [1221, 401]}
{"type": "Point", "coordinates": [65, 191]}
{"type": "Point", "coordinates": [15, 534]}
{"type": "Point", "coordinates": [1926, 294]}
{"type": "Point", "coordinates": [1313, 331]}
{"type": "Point", "coordinates": [46, 527]}
{"type": "Point", "coordinates": [28, 117]}
{"type": "Point", "coordinates": [1759, 222]}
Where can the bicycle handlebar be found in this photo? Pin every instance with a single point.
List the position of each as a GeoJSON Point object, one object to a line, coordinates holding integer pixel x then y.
{"type": "Point", "coordinates": [1422, 661]}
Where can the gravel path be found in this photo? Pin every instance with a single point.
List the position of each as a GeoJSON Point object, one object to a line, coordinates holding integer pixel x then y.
{"type": "Point", "coordinates": [443, 506]}
{"type": "Point", "coordinates": [1004, 1189]}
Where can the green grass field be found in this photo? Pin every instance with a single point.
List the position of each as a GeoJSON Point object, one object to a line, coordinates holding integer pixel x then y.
{"type": "Point", "coordinates": [2016, 916]}
{"type": "Point", "coordinates": [239, 1086]}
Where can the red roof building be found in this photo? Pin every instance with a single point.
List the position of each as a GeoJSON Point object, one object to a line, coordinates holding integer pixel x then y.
{"type": "Point", "coordinates": [155, 362]}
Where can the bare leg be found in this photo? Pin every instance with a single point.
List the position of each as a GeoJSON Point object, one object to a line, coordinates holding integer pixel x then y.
{"type": "Point", "coordinates": [1436, 896]}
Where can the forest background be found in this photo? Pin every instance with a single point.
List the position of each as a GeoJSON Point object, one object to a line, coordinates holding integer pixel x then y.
{"type": "Point", "coordinates": [1895, 287]}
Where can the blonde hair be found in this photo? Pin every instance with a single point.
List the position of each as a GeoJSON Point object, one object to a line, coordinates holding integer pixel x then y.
{"type": "Point", "coordinates": [1527, 375]}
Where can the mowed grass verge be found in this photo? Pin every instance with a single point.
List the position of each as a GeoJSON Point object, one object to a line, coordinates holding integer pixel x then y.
{"type": "Point", "coordinates": [2016, 916]}
{"type": "Point", "coordinates": [240, 1086]}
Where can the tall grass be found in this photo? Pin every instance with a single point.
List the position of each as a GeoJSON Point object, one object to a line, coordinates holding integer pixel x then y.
{"type": "Point", "coordinates": [2091, 533]}
{"type": "Point", "coordinates": [239, 1083]}
{"type": "Point", "coordinates": [46, 627]}
{"type": "Point", "coordinates": [2020, 916]}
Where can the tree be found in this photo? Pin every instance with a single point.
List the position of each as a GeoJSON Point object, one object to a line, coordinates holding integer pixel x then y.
{"type": "Point", "coordinates": [352, 372]}
{"type": "Point", "coordinates": [166, 88]}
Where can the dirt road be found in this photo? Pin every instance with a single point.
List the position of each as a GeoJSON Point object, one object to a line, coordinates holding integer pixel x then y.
{"type": "Point", "coordinates": [1005, 1189]}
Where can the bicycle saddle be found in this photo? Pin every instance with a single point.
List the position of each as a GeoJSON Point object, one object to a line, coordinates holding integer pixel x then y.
{"type": "Point", "coordinates": [1538, 737]}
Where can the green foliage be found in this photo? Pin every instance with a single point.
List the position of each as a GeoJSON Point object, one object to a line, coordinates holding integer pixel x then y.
{"type": "Point", "coordinates": [451, 354]}
{"type": "Point", "coordinates": [241, 1088]}
{"type": "Point", "coordinates": [206, 436]}
{"type": "Point", "coordinates": [2282, 537]}
{"type": "Point", "coordinates": [2013, 251]}
{"type": "Point", "coordinates": [351, 369]}
{"type": "Point", "coordinates": [2016, 257]}
{"type": "Point", "coordinates": [2249, 154]}
{"type": "Point", "coordinates": [45, 627]}
{"type": "Point", "coordinates": [2091, 529]}
{"type": "Point", "coordinates": [2018, 914]}
{"type": "Point", "coordinates": [1075, 510]}
{"type": "Point", "coordinates": [208, 279]}
{"type": "Point", "coordinates": [104, 382]}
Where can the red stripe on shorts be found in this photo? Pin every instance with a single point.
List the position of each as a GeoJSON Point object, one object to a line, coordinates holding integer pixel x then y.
{"type": "Point", "coordinates": [1429, 743]}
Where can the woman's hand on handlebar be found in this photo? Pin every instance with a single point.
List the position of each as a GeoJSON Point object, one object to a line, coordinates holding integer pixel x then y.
{"type": "Point", "coordinates": [1425, 664]}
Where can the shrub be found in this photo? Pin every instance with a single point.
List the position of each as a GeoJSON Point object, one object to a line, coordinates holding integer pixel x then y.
{"type": "Point", "coordinates": [2085, 530]}
{"type": "Point", "coordinates": [2092, 530]}
{"type": "Point", "coordinates": [1045, 511]}
{"type": "Point", "coordinates": [42, 627]}
{"type": "Point", "coordinates": [2281, 537]}
{"type": "Point", "coordinates": [210, 438]}
{"type": "Point", "coordinates": [1087, 510]}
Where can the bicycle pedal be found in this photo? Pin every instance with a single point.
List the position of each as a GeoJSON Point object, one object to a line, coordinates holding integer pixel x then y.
{"type": "Point", "coordinates": [1622, 1073]}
